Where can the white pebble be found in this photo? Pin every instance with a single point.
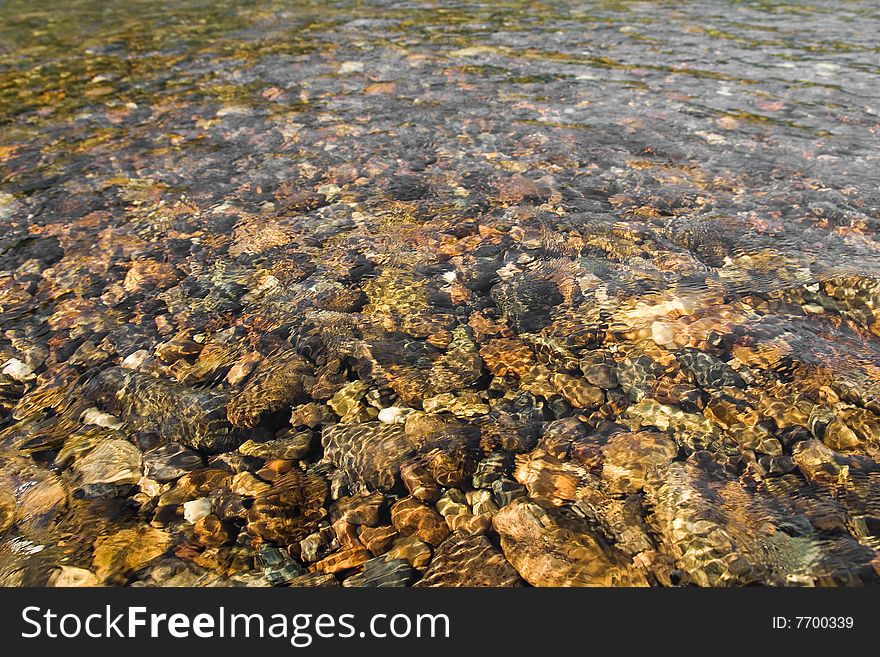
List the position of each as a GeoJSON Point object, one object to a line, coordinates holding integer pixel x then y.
{"type": "Point", "coordinates": [390, 415]}
{"type": "Point", "coordinates": [99, 418]}
{"type": "Point", "coordinates": [196, 509]}
{"type": "Point", "coordinates": [17, 370]}
{"type": "Point", "coordinates": [663, 334]}
{"type": "Point", "coordinates": [351, 67]}
{"type": "Point", "coordinates": [134, 360]}
{"type": "Point", "coordinates": [151, 487]}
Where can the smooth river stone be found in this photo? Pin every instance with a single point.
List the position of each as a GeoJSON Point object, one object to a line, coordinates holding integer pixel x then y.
{"type": "Point", "coordinates": [290, 510]}
{"type": "Point", "coordinates": [171, 461]}
{"type": "Point", "coordinates": [463, 560]}
{"type": "Point", "coordinates": [196, 418]}
{"type": "Point", "coordinates": [629, 456]}
{"type": "Point", "coordinates": [384, 573]}
{"type": "Point", "coordinates": [120, 554]}
{"type": "Point", "coordinates": [277, 382]}
{"type": "Point", "coordinates": [548, 550]}
{"type": "Point", "coordinates": [114, 461]}
{"type": "Point", "coordinates": [410, 516]}
{"type": "Point", "coordinates": [370, 454]}
{"type": "Point", "coordinates": [548, 479]}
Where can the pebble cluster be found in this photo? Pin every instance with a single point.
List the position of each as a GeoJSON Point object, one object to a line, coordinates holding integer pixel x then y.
{"type": "Point", "coordinates": [380, 315]}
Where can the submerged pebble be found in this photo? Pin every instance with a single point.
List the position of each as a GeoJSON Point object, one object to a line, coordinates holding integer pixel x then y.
{"type": "Point", "coordinates": [371, 308]}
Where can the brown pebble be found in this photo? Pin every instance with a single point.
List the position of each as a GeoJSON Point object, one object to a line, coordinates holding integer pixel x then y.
{"type": "Point", "coordinates": [378, 539]}
{"type": "Point", "coordinates": [343, 560]}
{"type": "Point", "coordinates": [410, 516]}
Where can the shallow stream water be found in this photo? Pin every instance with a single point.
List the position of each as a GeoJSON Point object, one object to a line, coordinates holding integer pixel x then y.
{"type": "Point", "coordinates": [502, 293]}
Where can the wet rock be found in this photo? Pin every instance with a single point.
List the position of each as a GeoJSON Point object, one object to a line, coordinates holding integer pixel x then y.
{"type": "Point", "coordinates": [177, 349]}
{"type": "Point", "coordinates": [315, 547]}
{"type": "Point", "coordinates": [505, 491]}
{"type": "Point", "coordinates": [727, 414]}
{"type": "Point", "coordinates": [418, 481]}
{"type": "Point", "coordinates": [362, 509]}
{"type": "Point", "coordinates": [706, 522]}
{"type": "Point", "coordinates": [548, 479]}
{"type": "Point", "coordinates": [663, 333]}
{"type": "Point", "coordinates": [200, 483]}
{"type": "Point", "coordinates": [99, 419]}
{"type": "Point", "coordinates": [460, 367]}
{"type": "Point", "coordinates": [274, 469]}
{"type": "Point", "coordinates": [547, 551]}
{"type": "Point", "coordinates": [391, 415]}
{"type": "Point", "coordinates": [450, 465]}
{"type": "Point", "coordinates": [73, 577]}
{"type": "Point", "coordinates": [708, 371]}
{"type": "Point", "coordinates": [634, 327]}
{"type": "Point", "coordinates": [279, 567]}
{"type": "Point", "coordinates": [347, 402]}
{"type": "Point", "coordinates": [196, 418]}
{"type": "Point", "coordinates": [481, 502]}
{"type": "Point", "coordinates": [468, 523]}
{"type": "Point", "coordinates": [135, 360]}
{"type": "Point", "coordinates": [228, 505]}
{"type": "Point", "coordinates": [242, 368]}
{"type": "Point", "coordinates": [819, 419]}
{"type": "Point", "coordinates": [513, 425]}
{"type": "Point", "coordinates": [7, 509]}
{"type": "Point", "coordinates": [578, 391]}
{"type": "Point", "coordinates": [854, 429]}
{"type": "Point", "coordinates": [621, 521]}
{"type": "Point", "coordinates": [347, 534]}
{"type": "Point", "coordinates": [838, 436]}
{"type": "Point", "coordinates": [817, 461]}
{"type": "Point", "coordinates": [246, 484]}
{"type": "Point", "coordinates": [424, 428]}
{"type": "Point", "coordinates": [113, 462]}
{"type": "Point", "coordinates": [758, 438]}
{"type": "Point", "coordinates": [212, 364]}
{"type": "Point", "coordinates": [310, 580]}
{"type": "Point", "coordinates": [291, 446]}
{"type": "Point", "coordinates": [492, 468]}
{"type": "Point", "coordinates": [507, 356]}
{"type": "Point", "coordinates": [145, 274]}
{"type": "Point", "coordinates": [411, 549]}
{"type": "Point", "coordinates": [213, 532]}
{"type": "Point", "coordinates": [464, 405]}
{"type": "Point", "coordinates": [407, 188]}
{"type": "Point", "coordinates": [527, 301]}
{"type": "Point", "coordinates": [601, 375]}
{"type": "Point", "coordinates": [370, 454]}
{"type": "Point", "coordinates": [629, 457]}
{"type": "Point", "coordinates": [452, 503]}
{"type": "Point", "coordinates": [689, 429]}
{"type": "Point", "coordinates": [311, 415]}
{"type": "Point", "coordinates": [195, 510]}
{"type": "Point", "coordinates": [384, 573]}
{"type": "Point", "coordinates": [343, 560]}
{"type": "Point", "coordinates": [170, 462]}
{"type": "Point", "coordinates": [559, 436]}
{"type": "Point", "coordinates": [637, 376]}
{"type": "Point", "coordinates": [290, 510]}
{"type": "Point", "coordinates": [378, 539]}
{"type": "Point", "coordinates": [410, 516]}
{"type": "Point", "coordinates": [118, 555]}
{"type": "Point", "coordinates": [277, 382]}
{"type": "Point", "coordinates": [469, 561]}
{"type": "Point", "coordinates": [18, 370]}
